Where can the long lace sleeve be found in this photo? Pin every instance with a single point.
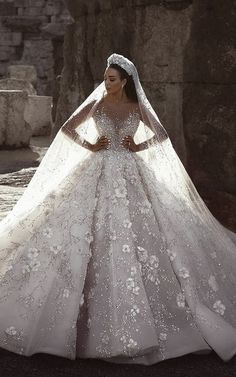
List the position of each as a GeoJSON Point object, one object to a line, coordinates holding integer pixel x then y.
{"type": "Point", "coordinates": [160, 134]}
{"type": "Point", "coordinates": [69, 127]}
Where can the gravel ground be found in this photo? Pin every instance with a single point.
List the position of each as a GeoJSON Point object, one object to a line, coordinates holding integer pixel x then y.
{"type": "Point", "coordinates": [44, 365]}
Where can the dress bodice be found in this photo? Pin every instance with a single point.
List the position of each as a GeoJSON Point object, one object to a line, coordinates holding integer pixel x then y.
{"type": "Point", "coordinates": [115, 122]}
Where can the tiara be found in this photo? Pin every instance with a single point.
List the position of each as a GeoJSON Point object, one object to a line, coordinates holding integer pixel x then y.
{"type": "Point", "coordinates": [123, 62]}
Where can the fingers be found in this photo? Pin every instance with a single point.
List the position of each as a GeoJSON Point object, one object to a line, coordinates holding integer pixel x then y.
{"type": "Point", "coordinates": [127, 141]}
{"type": "Point", "coordinates": [103, 142]}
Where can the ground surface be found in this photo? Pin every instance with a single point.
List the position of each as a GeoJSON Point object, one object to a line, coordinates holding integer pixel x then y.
{"type": "Point", "coordinates": [43, 365]}
{"type": "Point", "coordinates": [16, 170]}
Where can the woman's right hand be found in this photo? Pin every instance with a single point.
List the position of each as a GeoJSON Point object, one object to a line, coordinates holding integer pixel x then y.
{"type": "Point", "coordinates": [102, 143]}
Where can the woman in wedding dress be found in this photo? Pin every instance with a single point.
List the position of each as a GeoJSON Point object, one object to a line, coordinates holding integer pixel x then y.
{"type": "Point", "coordinates": [111, 253]}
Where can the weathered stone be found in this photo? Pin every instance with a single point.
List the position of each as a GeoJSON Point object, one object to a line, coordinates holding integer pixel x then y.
{"type": "Point", "coordinates": [209, 95]}
{"type": "Point", "coordinates": [8, 198]}
{"type": "Point", "coordinates": [23, 23]}
{"type": "Point", "coordinates": [4, 56]}
{"type": "Point", "coordinates": [33, 11]}
{"type": "Point", "coordinates": [10, 39]}
{"type": "Point", "coordinates": [7, 9]}
{"type": "Point", "coordinates": [185, 53]}
{"type": "Point", "coordinates": [26, 38]}
{"type": "Point", "coordinates": [17, 169]}
{"type": "Point", "coordinates": [54, 30]}
{"type": "Point", "coordinates": [14, 131]}
{"type": "Point", "coordinates": [159, 60]}
{"type": "Point", "coordinates": [17, 84]}
{"type": "Point", "coordinates": [38, 114]}
{"type": "Point", "coordinates": [24, 72]}
{"type": "Point", "coordinates": [5, 39]}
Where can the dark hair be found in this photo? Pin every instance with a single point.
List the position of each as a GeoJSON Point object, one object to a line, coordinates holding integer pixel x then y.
{"type": "Point", "coordinates": [129, 86]}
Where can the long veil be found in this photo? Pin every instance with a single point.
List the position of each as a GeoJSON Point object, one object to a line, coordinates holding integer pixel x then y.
{"type": "Point", "coordinates": [64, 155]}
{"type": "Point", "coordinates": [202, 243]}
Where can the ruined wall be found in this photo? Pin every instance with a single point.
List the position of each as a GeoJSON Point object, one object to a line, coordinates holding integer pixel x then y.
{"type": "Point", "coordinates": [32, 32]}
{"type": "Point", "coordinates": [185, 53]}
{"type": "Point", "coordinates": [209, 111]}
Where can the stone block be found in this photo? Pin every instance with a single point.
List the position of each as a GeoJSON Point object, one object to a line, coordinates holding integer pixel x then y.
{"type": "Point", "coordinates": [36, 3]}
{"type": "Point", "coordinates": [3, 68]}
{"type": "Point", "coordinates": [14, 131]}
{"type": "Point", "coordinates": [7, 9]}
{"type": "Point", "coordinates": [19, 3]}
{"type": "Point", "coordinates": [24, 72]}
{"type": "Point", "coordinates": [49, 10]}
{"type": "Point", "coordinates": [4, 56]}
{"type": "Point", "coordinates": [16, 38]}
{"type": "Point", "coordinates": [38, 114]}
{"type": "Point", "coordinates": [5, 39]}
{"type": "Point", "coordinates": [17, 84]}
{"type": "Point", "coordinates": [33, 11]}
{"type": "Point", "coordinates": [10, 39]}
{"type": "Point", "coordinates": [20, 11]}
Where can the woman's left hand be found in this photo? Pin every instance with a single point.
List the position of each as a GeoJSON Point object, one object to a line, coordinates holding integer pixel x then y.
{"type": "Point", "coordinates": [128, 142]}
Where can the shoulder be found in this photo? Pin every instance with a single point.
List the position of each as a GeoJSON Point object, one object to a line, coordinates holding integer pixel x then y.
{"type": "Point", "coordinates": [134, 107]}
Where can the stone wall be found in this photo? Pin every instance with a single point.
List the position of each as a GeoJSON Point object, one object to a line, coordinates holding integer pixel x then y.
{"type": "Point", "coordinates": [32, 32]}
{"type": "Point", "coordinates": [185, 53]}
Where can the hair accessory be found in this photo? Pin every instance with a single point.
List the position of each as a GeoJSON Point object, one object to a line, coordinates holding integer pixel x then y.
{"type": "Point", "coordinates": [123, 62]}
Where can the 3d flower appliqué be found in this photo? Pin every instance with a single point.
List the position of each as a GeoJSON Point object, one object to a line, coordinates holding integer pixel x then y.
{"type": "Point", "coordinates": [88, 237]}
{"type": "Point", "coordinates": [212, 283]}
{"type": "Point", "coordinates": [126, 249]}
{"type": "Point", "coordinates": [134, 310]}
{"type": "Point", "coordinates": [142, 254]}
{"type": "Point", "coordinates": [81, 300]}
{"type": "Point", "coordinates": [33, 253]}
{"type": "Point", "coordinates": [55, 249]}
{"type": "Point", "coordinates": [34, 265]}
{"type": "Point", "coordinates": [132, 343]}
{"type": "Point", "coordinates": [171, 254]}
{"type": "Point", "coordinates": [180, 299]}
{"type": "Point", "coordinates": [47, 232]}
{"type": "Point", "coordinates": [184, 273]}
{"type": "Point", "coordinates": [11, 330]}
{"type": "Point", "coordinates": [132, 286]}
{"type": "Point", "coordinates": [127, 223]}
{"type": "Point", "coordinates": [219, 307]}
{"type": "Point", "coordinates": [120, 192]}
{"type": "Point", "coordinates": [154, 261]}
{"type": "Point", "coordinates": [162, 336]}
{"type": "Point", "coordinates": [66, 293]}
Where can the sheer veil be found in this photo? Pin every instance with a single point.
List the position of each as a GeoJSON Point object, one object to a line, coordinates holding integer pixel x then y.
{"type": "Point", "coordinates": [64, 155]}
{"type": "Point", "coordinates": [200, 252]}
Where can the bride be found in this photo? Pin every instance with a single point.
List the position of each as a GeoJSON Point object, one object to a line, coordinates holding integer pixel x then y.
{"type": "Point", "coordinates": [111, 253]}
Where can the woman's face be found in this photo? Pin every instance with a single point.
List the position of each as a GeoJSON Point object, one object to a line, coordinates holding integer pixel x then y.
{"type": "Point", "coordinates": [113, 82]}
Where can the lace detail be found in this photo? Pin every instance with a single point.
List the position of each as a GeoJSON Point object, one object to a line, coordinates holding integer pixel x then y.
{"type": "Point", "coordinates": [115, 125]}
{"type": "Point", "coordinates": [117, 257]}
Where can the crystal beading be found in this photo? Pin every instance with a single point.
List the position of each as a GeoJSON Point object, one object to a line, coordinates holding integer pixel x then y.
{"type": "Point", "coordinates": [123, 62]}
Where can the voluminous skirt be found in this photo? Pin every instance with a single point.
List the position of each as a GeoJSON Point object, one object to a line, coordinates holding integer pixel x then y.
{"type": "Point", "coordinates": [112, 265]}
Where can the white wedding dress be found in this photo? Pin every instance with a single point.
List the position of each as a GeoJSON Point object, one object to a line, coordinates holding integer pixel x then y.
{"type": "Point", "coordinates": [111, 265]}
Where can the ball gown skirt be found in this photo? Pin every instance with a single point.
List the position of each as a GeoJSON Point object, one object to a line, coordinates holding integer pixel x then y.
{"type": "Point", "coordinates": [112, 265]}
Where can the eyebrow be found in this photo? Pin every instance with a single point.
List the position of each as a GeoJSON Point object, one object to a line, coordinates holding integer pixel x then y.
{"type": "Point", "coordinates": [110, 76]}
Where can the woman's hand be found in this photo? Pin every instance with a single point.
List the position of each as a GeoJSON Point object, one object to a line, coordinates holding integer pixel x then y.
{"type": "Point", "coordinates": [128, 142]}
{"type": "Point", "coordinates": [102, 143]}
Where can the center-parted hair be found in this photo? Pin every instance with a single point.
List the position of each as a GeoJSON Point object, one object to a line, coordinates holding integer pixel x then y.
{"type": "Point", "coordinates": [129, 86]}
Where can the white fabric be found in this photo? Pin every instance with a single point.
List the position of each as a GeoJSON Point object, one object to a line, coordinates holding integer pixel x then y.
{"type": "Point", "coordinates": [120, 233]}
